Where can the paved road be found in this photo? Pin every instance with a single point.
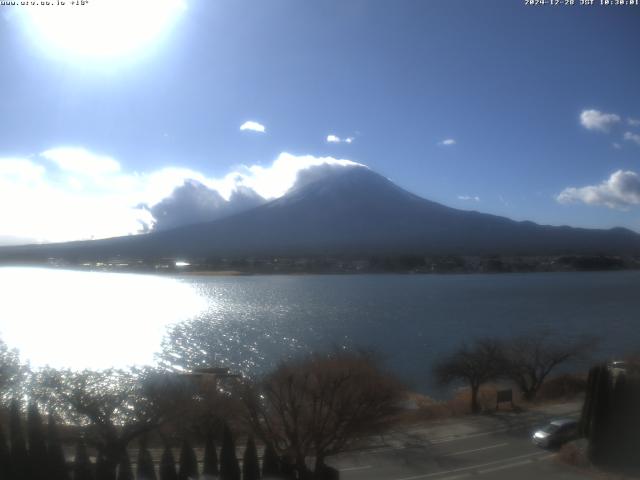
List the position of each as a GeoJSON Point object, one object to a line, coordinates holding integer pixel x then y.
{"type": "Point", "coordinates": [490, 447]}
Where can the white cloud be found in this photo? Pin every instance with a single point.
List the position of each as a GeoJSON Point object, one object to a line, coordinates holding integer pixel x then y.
{"type": "Point", "coordinates": [469, 198]}
{"type": "Point", "coordinates": [447, 142]}
{"type": "Point", "coordinates": [54, 204]}
{"type": "Point", "coordinates": [194, 202]}
{"type": "Point", "coordinates": [69, 201]}
{"type": "Point", "coordinates": [620, 190]}
{"type": "Point", "coordinates": [21, 170]}
{"type": "Point", "coordinates": [597, 120]}
{"type": "Point", "coordinates": [632, 137]}
{"type": "Point", "coordinates": [253, 126]}
{"type": "Point", "coordinates": [79, 160]}
{"type": "Point", "coordinates": [634, 122]}
{"type": "Point", "coordinates": [336, 139]}
{"type": "Point", "coordinates": [274, 181]}
{"type": "Point", "coordinates": [616, 145]}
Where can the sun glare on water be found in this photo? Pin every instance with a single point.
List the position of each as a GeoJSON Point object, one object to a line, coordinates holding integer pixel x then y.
{"type": "Point", "coordinates": [90, 319]}
{"type": "Point", "coordinates": [100, 29]}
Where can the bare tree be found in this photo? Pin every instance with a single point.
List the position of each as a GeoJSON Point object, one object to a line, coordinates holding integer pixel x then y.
{"type": "Point", "coordinates": [473, 364]}
{"type": "Point", "coordinates": [113, 406]}
{"type": "Point", "coordinates": [321, 404]}
{"type": "Point", "coordinates": [529, 359]}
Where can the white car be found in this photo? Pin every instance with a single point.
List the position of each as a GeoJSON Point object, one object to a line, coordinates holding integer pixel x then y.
{"type": "Point", "coordinates": [556, 433]}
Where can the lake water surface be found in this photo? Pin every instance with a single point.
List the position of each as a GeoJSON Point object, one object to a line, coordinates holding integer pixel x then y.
{"type": "Point", "coordinates": [87, 319]}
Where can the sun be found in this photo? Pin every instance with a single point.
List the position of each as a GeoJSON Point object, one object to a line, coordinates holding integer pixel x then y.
{"type": "Point", "coordinates": [96, 30]}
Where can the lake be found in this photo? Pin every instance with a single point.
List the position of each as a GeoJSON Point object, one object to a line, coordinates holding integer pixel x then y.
{"type": "Point", "coordinates": [96, 319]}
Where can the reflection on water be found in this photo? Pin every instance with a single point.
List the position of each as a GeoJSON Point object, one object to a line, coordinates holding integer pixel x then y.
{"type": "Point", "coordinates": [90, 319]}
{"type": "Point", "coordinates": [100, 319]}
{"type": "Point", "coordinates": [412, 320]}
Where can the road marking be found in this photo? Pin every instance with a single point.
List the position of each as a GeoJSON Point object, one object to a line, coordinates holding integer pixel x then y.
{"type": "Point", "coordinates": [497, 445]}
{"type": "Point", "coordinates": [471, 467]}
{"type": "Point", "coordinates": [351, 469]}
{"type": "Point", "coordinates": [473, 435]}
{"type": "Point", "coordinates": [390, 449]}
{"type": "Point", "coordinates": [546, 457]}
{"type": "Point", "coordinates": [505, 467]}
{"type": "Point", "coordinates": [456, 477]}
{"type": "Point", "coordinates": [516, 464]}
{"type": "Point", "coordinates": [435, 442]}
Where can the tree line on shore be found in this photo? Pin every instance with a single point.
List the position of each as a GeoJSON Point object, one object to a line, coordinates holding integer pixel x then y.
{"type": "Point", "coordinates": [526, 361]}
{"type": "Point", "coordinates": [303, 412]}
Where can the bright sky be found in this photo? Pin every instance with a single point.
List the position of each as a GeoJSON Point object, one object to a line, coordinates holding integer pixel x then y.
{"type": "Point", "coordinates": [528, 112]}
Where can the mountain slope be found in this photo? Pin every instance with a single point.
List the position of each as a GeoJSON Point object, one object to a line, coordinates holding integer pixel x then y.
{"type": "Point", "coordinates": [350, 211]}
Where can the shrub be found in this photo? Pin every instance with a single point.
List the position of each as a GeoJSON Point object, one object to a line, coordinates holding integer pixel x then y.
{"type": "Point", "coordinates": [37, 445]}
{"type": "Point", "coordinates": [270, 462]}
{"type": "Point", "coordinates": [103, 472]}
{"type": "Point", "coordinates": [57, 464]}
{"type": "Point", "coordinates": [562, 387]}
{"type": "Point", "coordinates": [82, 467]}
{"type": "Point", "coordinates": [146, 470]}
{"type": "Point", "coordinates": [210, 467]}
{"type": "Point", "coordinates": [229, 467]}
{"type": "Point", "coordinates": [168, 465]}
{"type": "Point", "coordinates": [124, 469]}
{"type": "Point", "coordinates": [188, 463]}
{"type": "Point", "coordinates": [19, 458]}
{"type": "Point", "coordinates": [250, 465]}
{"type": "Point", "coordinates": [5, 465]}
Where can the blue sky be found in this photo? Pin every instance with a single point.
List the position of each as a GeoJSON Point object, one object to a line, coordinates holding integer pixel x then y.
{"type": "Point", "coordinates": [505, 82]}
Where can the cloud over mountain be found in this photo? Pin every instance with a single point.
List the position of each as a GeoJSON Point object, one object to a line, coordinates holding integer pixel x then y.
{"type": "Point", "coordinates": [351, 210]}
{"type": "Point", "coordinates": [193, 202]}
{"type": "Point", "coordinates": [72, 193]}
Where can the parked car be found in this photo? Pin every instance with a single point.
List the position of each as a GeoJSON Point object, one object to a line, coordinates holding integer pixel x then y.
{"type": "Point", "coordinates": [618, 364]}
{"type": "Point", "coordinates": [556, 432]}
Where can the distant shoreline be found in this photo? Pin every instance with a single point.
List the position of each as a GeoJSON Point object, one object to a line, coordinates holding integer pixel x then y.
{"type": "Point", "coordinates": [404, 264]}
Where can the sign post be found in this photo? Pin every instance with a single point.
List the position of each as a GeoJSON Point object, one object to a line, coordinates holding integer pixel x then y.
{"type": "Point", "coordinates": [504, 396]}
